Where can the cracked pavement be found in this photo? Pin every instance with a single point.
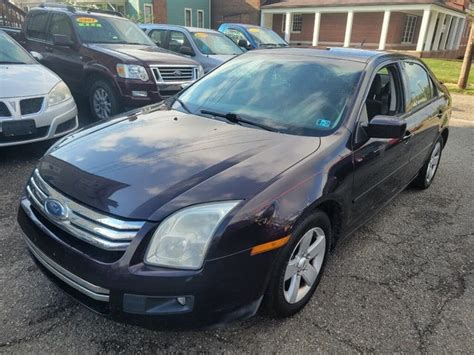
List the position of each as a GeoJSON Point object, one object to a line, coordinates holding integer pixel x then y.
{"type": "Point", "coordinates": [403, 282]}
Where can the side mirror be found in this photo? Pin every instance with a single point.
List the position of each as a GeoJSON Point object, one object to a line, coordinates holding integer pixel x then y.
{"type": "Point", "coordinates": [243, 43]}
{"type": "Point", "coordinates": [62, 40]}
{"type": "Point", "coordinates": [37, 56]}
{"type": "Point", "coordinates": [186, 51]}
{"type": "Point", "coordinates": [386, 127]}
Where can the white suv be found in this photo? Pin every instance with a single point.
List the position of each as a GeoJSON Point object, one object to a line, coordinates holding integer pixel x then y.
{"type": "Point", "coordinates": [35, 104]}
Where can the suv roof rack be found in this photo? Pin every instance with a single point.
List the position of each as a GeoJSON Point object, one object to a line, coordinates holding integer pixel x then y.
{"type": "Point", "coordinates": [58, 6]}
{"type": "Point", "coordinates": [107, 12]}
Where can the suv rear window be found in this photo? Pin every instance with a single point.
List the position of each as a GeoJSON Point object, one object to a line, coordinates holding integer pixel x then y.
{"type": "Point", "coordinates": [36, 27]}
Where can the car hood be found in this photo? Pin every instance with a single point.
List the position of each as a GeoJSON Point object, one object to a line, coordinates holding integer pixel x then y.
{"type": "Point", "coordinates": [142, 54]}
{"type": "Point", "coordinates": [132, 167]}
{"type": "Point", "coordinates": [14, 76]}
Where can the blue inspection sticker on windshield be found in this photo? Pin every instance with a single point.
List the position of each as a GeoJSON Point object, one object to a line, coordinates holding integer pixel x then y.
{"type": "Point", "coordinates": [323, 123]}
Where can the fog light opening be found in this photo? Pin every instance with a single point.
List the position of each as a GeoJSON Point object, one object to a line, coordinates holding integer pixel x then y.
{"type": "Point", "coordinates": [181, 301]}
{"type": "Point", "coordinates": [139, 93]}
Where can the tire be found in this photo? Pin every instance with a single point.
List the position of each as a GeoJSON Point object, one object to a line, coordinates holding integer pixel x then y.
{"type": "Point", "coordinates": [282, 298]}
{"type": "Point", "coordinates": [103, 100]}
{"type": "Point", "coordinates": [428, 171]}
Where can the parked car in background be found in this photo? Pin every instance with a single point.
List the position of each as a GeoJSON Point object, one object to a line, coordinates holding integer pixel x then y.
{"type": "Point", "coordinates": [106, 57]}
{"type": "Point", "coordinates": [252, 37]}
{"type": "Point", "coordinates": [230, 195]}
{"type": "Point", "coordinates": [208, 47]}
{"type": "Point", "coordinates": [35, 104]}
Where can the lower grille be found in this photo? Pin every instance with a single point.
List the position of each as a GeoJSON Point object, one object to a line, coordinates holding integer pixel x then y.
{"type": "Point", "coordinates": [30, 106]}
{"type": "Point", "coordinates": [66, 126]}
{"type": "Point", "coordinates": [4, 112]}
{"type": "Point", "coordinates": [93, 291]}
{"type": "Point", "coordinates": [174, 74]}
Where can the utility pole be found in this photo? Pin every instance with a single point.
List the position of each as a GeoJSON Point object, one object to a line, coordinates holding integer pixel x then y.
{"type": "Point", "coordinates": [466, 64]}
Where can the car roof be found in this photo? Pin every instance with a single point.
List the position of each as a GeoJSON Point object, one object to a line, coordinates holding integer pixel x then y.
{"type": "Point", "coordinates": [166, 26]}
{"type": "Point", "coordinates": [76, 12]}
{"type": "Point", "coordinates": [246, 25]}
{"type": "Point", "coordinates": [350, 54]}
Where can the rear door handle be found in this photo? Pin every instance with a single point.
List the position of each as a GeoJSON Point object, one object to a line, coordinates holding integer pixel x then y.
{"type": "Point", "coordinates": [48, 49]}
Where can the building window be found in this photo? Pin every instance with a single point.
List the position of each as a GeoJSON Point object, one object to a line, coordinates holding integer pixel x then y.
{"type": "Point", "coordinates": [188, 17]}
{"type": "Point", "coordinates": [297, 23]}
{"type": "Point", "coordinates": [200, 18]}
{"type": "Point", "coordinates": [409, 31]}
{"type": "Point", "coordinates": [148, 13]}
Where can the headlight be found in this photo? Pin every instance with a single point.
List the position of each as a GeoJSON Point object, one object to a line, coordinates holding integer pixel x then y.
{"type": "Point", "coordinates": [58, 94]}
{"type": "Point", "coordinates": [181, 240]}
{"type": "Point", "coordinates": [200, 72]}
{"type": "Point", "coordinates": [128, 71]}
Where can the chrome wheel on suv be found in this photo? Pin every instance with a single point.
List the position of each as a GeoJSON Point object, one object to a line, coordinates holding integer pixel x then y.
{"type": "Point", "coordinates": [103, 100]}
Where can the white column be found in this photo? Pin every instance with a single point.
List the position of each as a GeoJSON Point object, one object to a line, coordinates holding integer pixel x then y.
{"type": "Point", "coordinates": [423, 30]}
{"type": "Point", "coordinates": [444, 37]}
{"type": "Point", "coordinates": [431, 29]}
{"type": "Point", "coordinates": [347, 36]}
{"type": "Point", "coordinates": [288, 26]}
{"type": "Point", "coordinates": [384, 32]}
{"type": "Point", "coordinates": [317, 24]}
{"type": "Point", "coordinates": [266, 20]}
{"type": "Point", "coordinates": [457, 42]}
{"type": "Point", "coordinates": [439, 32]}
{"type": "Point", "coordinates": [453, 34]}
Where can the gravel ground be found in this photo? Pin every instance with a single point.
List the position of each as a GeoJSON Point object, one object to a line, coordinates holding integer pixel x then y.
{"type": "Point", "coordinates": [405, 282]}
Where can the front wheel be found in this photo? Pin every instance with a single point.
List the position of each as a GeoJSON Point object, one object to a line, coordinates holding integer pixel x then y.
{"type": "Point", "coordinates": [428, 172]}
{"type": "Point", "coordinates": [103, 100]}
{"type": "Point", "coordinates": [299, 267]}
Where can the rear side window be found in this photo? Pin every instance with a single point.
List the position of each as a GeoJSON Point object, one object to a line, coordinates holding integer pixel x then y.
{"type": "Point", "coordinates": [36, 27]}
{"type": "Point", "coordinates": [419, 84]}
{"type": "Point", "coordinates": [158, 36]}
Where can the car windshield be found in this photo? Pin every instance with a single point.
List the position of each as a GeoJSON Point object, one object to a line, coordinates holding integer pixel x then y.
{"type": "Point", "coordinates": [110, 30]}
{"type": "Point", "coordinates": [293, 94]}
{"type": "Point", "coordinates": [266, 37]}
{"type": "Point", "coordinates": [12, 53]}
{"type": "Point", "coordinates": [215, 43]}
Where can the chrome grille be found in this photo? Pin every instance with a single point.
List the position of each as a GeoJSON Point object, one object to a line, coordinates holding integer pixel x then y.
{"type": "Point", "coordinates": [95, 228]}
{"type": "Point", "coordinates": [174, 74]}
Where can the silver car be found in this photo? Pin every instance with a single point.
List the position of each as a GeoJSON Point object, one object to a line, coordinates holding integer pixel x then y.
{"type": "Point", "coordinates": [35, 104]}
{"type": "Point", "coordinates": [208, 47]}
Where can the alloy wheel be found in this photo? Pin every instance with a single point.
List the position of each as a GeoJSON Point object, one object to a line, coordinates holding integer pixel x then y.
{"type": "Point", "coordinates": [304, 265]}
{"type": "Point", "coordinates": [102, 104]}
{"type": "Point", "coordinates": [433, 163]}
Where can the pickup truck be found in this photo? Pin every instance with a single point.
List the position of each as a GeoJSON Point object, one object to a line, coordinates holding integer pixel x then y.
{"type": "Point", "coordinates": [104, 56]}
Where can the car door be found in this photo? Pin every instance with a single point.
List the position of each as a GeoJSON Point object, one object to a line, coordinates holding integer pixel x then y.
{"type": "Point", "coordinates": [379, 163]}
{"type": "Point", "coordinates": [36, 31]}
{"type": "Point", "coordinates": [160, 37]}
{"type": "Point", "coordinates": [425, 109]}
{"type": "Point", "coordinates": [65, 60]}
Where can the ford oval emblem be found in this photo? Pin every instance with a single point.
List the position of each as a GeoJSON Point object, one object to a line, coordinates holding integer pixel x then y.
{"type": "Point", "coordinates": [55, 209]}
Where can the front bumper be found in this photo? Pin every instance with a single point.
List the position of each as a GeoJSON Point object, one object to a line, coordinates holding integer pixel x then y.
{"type": "Point", "coordinates": [51, 122]}
{"type": "Point", "coordinates": [127, 290]}
{"type": "Point", "coordinates": [155, 92]}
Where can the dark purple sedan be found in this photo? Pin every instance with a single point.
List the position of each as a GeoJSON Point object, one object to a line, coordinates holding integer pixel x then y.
{"type": "Point", "coordinates": [228, 197]}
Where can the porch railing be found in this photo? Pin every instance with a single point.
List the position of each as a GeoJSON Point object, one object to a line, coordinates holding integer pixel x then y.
{"type": "Point", "coordinates": [10, 14]}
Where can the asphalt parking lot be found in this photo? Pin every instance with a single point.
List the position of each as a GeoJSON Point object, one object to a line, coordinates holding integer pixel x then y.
{"type": "Point", "coordinates": [404, 282]}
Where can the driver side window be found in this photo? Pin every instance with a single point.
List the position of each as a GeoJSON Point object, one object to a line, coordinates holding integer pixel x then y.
{"type": "Point", "coordinates": [384, 95]}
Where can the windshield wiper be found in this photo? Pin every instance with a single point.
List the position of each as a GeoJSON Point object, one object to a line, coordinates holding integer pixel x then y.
{"type": "Point", "coordinates": [234, 118]}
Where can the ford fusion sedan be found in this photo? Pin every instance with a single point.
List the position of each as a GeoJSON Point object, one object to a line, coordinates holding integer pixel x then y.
{"type": "Point", "coordinates": [208, 47]}
{"type": "Point", "coordinates": [35, 104]}
{"type": "Point", "coordinates": [228, 197]}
